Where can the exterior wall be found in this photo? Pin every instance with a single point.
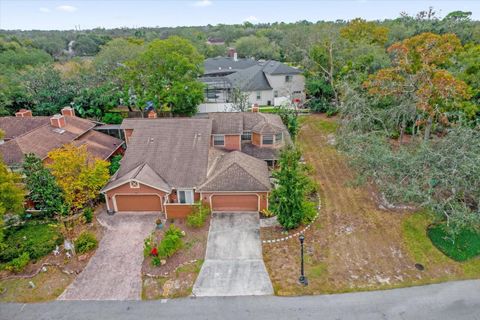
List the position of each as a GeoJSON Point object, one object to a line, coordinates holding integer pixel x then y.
{"type": "Point", "coordinates": [128, 134]}
{"type": "Point", "coordinates": [175, 210]}
{"type": "Point", "coordinates": [266, 95]}
{"type": "Point", "coordinates": [125, 189]}
{"type": "Point", "coordinates": [284, 89]}
{"type": "Point", "coordinates": [256, 139]}
{"type": "Point", "coordinates": [263, 197]}
{"type": "Point", "coordinates": [233, 142]}
{"type": "Point", "coordinates": [215, 107]}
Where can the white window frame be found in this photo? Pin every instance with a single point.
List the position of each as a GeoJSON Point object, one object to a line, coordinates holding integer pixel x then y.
{"type": "Point", "coordinates": [268, 144]}
{"type": "Point", "coordinates": [259, 95]}
{"type": "Point", "coordinates": [281, 137]}
{"type": "Point", "coordinates": [275, 93]}
{"type": "Point", "coordinates": [249, 133]}
{"type": "Point", "coordinates": [218, 136]}
{"type": "Point", "coordinates": [188, 195]}
{"type": "Point", "coordinates": [288, 78]}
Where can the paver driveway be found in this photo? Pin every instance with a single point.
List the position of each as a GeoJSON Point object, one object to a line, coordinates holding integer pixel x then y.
{"type": "Point", "coordinates": [233, 263]}
{"type": "Point", "coordinates": [114, 272]}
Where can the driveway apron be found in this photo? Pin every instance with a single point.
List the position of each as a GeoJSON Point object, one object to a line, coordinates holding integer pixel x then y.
{"type": "Point", "coordinates": [233, 263]}
{"type": "Point", "coordinates": [114, 271]}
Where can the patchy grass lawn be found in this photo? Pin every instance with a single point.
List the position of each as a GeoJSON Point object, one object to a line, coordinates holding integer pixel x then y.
{"type": "Point", "coordinates": [176, 277]}
{"type": "Point", "coordinates": [354, 245]}
{"type": "Point", "coordinates": [48, 286]}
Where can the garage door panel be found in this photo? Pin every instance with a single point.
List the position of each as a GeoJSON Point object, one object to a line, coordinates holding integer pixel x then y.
{"type": "Point", "coordinates": [235, 202]}
{"type": "Point", "coordinates": [138, 203]}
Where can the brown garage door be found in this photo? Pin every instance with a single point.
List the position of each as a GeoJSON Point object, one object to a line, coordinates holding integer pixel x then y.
{"type": "Point", "coordinates": [235, 202]}
{"type": "Point", "coordinates": [138, 203]}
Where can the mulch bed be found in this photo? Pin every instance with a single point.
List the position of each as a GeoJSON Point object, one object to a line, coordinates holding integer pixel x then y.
{"type": "Point", "coordinates": [195, 244]}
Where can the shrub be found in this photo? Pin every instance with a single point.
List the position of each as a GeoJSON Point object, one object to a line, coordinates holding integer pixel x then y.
{"type": "Point", "coordinates": [171, 242]}
{"type": "Point", "coordinates": [156, 261]}
{"type": "Point", "coordinates": [112, 118]}
{"type": "Point", "coordinates": [198, 216]}
{"type": "Point", "coordinates": [148, 245]}
{"type": "Point", "coordinates": [88, 215]}
{"type": "Point", "coordinates": [309, 211]}
{"type": "Point", "coordinates": [19, 263]}
{"type": "Point", "coordinates": [267, 213]}
{"type": "Point", "coordinates": [464, 246]}
{"type": "Point", "coordinates": [85, 242]}
{"type": "Point", "coordinates": [115, 164]}
{"type": "Point", "coordinates": [37, 240]}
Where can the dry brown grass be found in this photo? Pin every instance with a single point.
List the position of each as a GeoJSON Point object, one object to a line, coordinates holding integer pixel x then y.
{"type": "Point", "coordinates": [353, 245]}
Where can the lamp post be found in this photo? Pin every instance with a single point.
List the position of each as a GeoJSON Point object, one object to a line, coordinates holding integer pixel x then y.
{"type": "Point", "coordinates": [303, 280]}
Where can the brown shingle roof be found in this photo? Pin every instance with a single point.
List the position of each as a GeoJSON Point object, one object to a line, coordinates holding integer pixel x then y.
{"type": "Point", "coordinates": [236, 171]}
{"type": "Point", "coordinates": [11, 153]}
{"type": "Point", "coordinates": [176, 149]}
{"type": "Point", "coordinates": [226, 122]}
{"type": "Point", "coordinates": [98, 144]}
{"type": "Point", "coordinates": [40, 137]}
{"type": "Point", "coordinates": [144, 174]}
{"type": "Point", "coordinates": [16, 126]}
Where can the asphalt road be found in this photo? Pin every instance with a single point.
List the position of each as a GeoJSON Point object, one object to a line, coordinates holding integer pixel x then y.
{"type": "Point", "coordinates": [449, 301]}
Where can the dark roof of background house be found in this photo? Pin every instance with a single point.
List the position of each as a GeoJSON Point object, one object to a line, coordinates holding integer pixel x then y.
{"type": "Point", "coordinates": [236, 171]}
{"type": "Point", "coordinates": [275, 68]}
{"type": "Point", "coordinates": [16, 126]}
{"type": "Point", "coordinates": [176, 150]}
{"type": "Point", "coordinates": [270, 153]}
{"type": "Point", "coordinates": [249, 79]}
{"type": "Point", "coordinates": [226, 64]}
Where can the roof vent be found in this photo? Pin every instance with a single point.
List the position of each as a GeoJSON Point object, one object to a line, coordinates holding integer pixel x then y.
{"type": "Point", "coordinates": [58, 130]}
{"type": "Point", "coordinates": [151, 139]}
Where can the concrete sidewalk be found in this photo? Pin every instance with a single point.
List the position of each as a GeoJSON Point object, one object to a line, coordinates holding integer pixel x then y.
{"type": "Point", "coordinates": [233, 263]}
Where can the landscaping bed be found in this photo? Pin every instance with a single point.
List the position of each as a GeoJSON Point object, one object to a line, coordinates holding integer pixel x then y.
{"type": "Point", "coordinates": [175, 278]}
{"type": "Point", "coordinates": [47, 274]}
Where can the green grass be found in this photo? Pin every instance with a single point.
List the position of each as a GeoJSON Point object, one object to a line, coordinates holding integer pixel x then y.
{"type": "Point", "coordinates": [36, 239]}
{"type": "Point", "coordinates": [417, 242]}
{"type": "Point", "coordinates": [326, 126]}
{"type": "Point", "coordinates": [465, 247]}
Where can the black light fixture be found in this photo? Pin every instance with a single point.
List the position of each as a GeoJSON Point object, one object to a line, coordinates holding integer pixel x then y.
{"type": "Point", "coordinates": [303, 280]}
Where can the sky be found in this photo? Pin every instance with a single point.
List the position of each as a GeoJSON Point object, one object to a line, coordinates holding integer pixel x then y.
{"type": "Point", "coordinates": [88, 14]}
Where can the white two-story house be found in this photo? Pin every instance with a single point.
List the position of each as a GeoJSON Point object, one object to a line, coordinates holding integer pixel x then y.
{"type": "Point", "coordinates": [269, 83]}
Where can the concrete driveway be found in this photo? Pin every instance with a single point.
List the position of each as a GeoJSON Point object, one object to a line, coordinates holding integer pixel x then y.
{"type": "Point", "coordinates": [233, 263]}
{"type": "Point", "coordinates": [114, 272]}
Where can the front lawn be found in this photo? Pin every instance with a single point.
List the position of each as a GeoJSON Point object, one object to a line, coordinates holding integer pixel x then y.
{"type": "Point", "coordinates": [354, 245]}
{"type": "Point", "coordinates": [465, 247]}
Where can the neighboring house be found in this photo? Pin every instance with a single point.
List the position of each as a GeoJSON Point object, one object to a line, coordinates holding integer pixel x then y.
{"type": "Point", "coordinates": [264, 82]}
{"type": "Point", "coordinates": [220, 159]}
{"type": "Point", "coordinates": [26, 134]}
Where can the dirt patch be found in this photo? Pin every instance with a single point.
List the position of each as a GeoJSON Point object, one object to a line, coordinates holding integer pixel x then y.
{"type": "Point", "coordinates": [353, 245]}
{"type": "Point", "coordinates": [176, 277]}
{"type": "Point", "coordinates": [50, 274]}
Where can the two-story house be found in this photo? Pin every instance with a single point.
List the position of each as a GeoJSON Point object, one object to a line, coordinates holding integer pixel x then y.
{"type": "Point", "coordinates": [220, 159]}
{"type": "Point", "coordinates": [264, 83]}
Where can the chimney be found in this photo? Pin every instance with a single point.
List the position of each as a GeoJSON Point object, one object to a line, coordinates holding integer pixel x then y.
{"type": "Point", "coordinates": [58, 121]}
{"type": "Point", "coordinates": [152, 114]}
{"type": "Point", "coordinates": [255, 108]}
{"type": "Point", "coordinates": [22, 113]}
{"type": "Point", "coordinates": [68, 112]}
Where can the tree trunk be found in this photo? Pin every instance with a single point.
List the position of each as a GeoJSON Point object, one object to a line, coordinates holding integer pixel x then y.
{"type": "Point", "coordinates": [428, 129]}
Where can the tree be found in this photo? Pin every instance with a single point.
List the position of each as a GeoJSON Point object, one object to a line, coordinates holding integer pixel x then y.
{"type": "Point", "coordinates": [115, 53]}
{"type": "Point", "coordinates": [417, 71]}
{"type": "Point", "coordinates": [44, 190]}
{"type": "Point", "coordinates": [11, 195]}
{"type": "Point", "coordinates": [257, 47]}
{"type": "Point", "coordinates": [239, 100]}
{"type": "Point", "coordinates": [166, 74]}
{"type": "Point", "coordinates": [78, 175]}
{"type": "Point", "coordinates": [362, 30]}
{"type": "Point", "coordinates": [287, 200]}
